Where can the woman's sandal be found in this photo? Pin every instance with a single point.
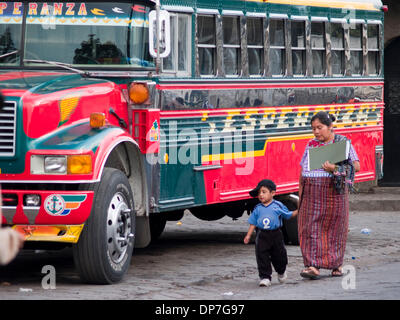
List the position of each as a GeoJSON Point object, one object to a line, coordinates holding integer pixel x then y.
{"type": "Point", "coordinates": [337, 272]}
{"type": "Point", "coordinates": [310, 273]}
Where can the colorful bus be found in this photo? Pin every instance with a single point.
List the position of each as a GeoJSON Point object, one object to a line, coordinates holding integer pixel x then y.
{"type": "Point", "coordinates": [119, 116]}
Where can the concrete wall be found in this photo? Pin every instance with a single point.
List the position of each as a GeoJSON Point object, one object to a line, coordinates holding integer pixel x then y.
{"type": "Point", "coordinates": [392, 20]}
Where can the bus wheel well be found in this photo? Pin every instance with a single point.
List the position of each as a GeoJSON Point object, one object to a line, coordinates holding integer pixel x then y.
{"type": "Point", "coordinates": [217, 211]}
{"type": "Point", "coordinates": [126, 157]}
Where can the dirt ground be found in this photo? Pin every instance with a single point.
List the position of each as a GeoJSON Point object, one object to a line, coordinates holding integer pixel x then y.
{"type": "Point", "coordinates": [199, 260]}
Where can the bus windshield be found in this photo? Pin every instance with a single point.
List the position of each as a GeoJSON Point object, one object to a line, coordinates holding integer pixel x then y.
{"type": "Point", "coordinates": [106, 34]}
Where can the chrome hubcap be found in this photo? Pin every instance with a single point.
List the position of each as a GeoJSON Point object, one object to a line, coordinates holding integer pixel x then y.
{"type": "Point", "coordinates": [119, 227]}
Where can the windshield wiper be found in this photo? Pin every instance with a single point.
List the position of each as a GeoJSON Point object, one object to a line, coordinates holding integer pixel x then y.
{"type": "Point", "coordinates": [9, 54]}
{"type": "Point", "coordinates": [60, 64]}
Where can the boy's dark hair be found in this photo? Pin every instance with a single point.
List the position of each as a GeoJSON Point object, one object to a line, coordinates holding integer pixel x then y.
{"type": "Point", "coordinates": [269, 184]}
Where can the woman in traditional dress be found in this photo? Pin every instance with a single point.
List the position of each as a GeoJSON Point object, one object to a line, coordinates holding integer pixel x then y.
{"type": "Point", "coordinates": [324, 207]}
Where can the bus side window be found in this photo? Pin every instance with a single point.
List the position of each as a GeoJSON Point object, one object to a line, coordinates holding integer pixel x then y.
{"type": "Point", "coordinates": [255, 46]}
{"type": "Point", "coordinates": [373, 49]}
{"type": "Point", "coordinates": [356, 54]}
{"type": "Point", "coordinates": [231, 45]}
{"type": "Point", "coordinates": [277, 47]}
{"type": "Point", "coordinates": [298, 47]}
{"type": "Point", "coordinates": [178, 61]}
{"type": "Point", "coordinates": [318, 48]}
{"type": "Point", "coordinates": [337, 45]}
{"type": "Point", "coordinates": [206, 35]}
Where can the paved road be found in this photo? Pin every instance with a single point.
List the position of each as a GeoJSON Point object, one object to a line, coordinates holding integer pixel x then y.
{"type": "Point", "coordinates": [200, 260]}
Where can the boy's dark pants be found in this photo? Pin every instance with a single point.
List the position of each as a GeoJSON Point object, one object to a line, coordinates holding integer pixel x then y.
{"type": "Point", "coordinates": [270, 248]}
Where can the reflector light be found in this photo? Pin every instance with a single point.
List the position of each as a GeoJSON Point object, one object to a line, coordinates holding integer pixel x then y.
{"type": "Point", "coordinates": [138, 93]}
{"type": "Point", "coordinates": [97, 120]}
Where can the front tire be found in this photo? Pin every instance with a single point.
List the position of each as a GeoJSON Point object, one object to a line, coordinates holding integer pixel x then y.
{"type": "Point", "coordinates": [157, 226]}
{"type": "Point", "coordinates": [104, 250]}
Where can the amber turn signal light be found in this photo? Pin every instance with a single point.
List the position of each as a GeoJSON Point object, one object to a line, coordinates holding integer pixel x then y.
{"type": "Point", "coordinates": [138, 93]}
{"type": "Point", "coordinates": [97, 120]}
{"type": "Point", "coordinates": [79, 164]}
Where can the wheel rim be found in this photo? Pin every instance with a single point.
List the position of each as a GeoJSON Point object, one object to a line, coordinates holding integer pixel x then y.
{"type": "Point", "coordinates": [119, 228]}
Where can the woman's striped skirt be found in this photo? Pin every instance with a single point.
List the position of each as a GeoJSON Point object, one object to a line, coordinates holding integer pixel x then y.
{"type": "Point", "coordinates": [323, 222]}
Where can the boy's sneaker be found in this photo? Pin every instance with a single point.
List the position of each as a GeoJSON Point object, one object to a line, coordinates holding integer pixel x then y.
{"type": "Point", "coordinates": [282, 277]}
{"type": "Point", "coordinates": [265, 283]}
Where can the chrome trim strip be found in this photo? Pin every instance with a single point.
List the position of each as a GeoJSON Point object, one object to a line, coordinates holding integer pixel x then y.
{"type": "Point", "coordinates": [301, 18]}
{"type": "Point", "coordinates": [319, 19]}
{"type": "Point", "coordinates": [374, 21]}
{"type": "Point", "coordinates": [267, 80]}
{"type": "Point", "coordinates": [119, 74]}
{"type": "Point", "coordinates": [205, 168]}
{"type": "Point", "coordinates": [207, 11]}
{"type": "Point", "coordinates": [256, 14]}
{"type": "Point", "coordinates": [232, 13]}
{"type": "Point", "coordinates": [356, 20]}
{"type": "Point", "coordinates": [177, 8]}
{"type": "Point", "coordinates": [278, 16]}
{"type": "Point", "coordinates": [338, 20]}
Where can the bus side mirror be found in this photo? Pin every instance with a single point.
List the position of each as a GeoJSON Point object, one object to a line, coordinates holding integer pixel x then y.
{"type": "Point", "coordinates": [164, 34]}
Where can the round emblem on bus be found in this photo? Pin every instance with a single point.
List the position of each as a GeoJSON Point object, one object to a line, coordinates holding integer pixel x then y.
{"type": "Point", "coordinates": [54, 204]}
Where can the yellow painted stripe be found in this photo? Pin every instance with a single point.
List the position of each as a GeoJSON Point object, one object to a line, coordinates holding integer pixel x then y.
{"type": "Point", "coordinates": [231, 156]}
{"type": "Point", "coordinates": [321, 3]}
{"type": "Point", "coordinates": [253, 154]}
{"type": "Point", "coordinates": [352, 124]}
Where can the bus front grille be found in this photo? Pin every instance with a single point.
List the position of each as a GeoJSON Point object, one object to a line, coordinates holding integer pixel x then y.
{"type": "Point", "coordinates": [8, 121]}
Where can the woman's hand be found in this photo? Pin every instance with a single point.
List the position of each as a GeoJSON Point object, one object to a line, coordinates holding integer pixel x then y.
{"type": "Point", "coordinates": [329, 167]}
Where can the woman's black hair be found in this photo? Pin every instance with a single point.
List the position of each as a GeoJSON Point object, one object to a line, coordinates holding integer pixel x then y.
{"type": "Point", "coordinates": [324, 117]}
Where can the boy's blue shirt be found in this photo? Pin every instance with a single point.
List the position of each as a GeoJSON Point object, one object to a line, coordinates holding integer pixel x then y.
{"type": "Point", "coordinates": [269, 217]}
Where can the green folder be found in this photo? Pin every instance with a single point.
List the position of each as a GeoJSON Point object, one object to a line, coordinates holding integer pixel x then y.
{"type": "Point", "coordinates": [333, 152]}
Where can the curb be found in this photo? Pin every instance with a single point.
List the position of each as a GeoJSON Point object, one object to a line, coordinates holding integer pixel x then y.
{"type": "Point", "coordinates": [377, 199]}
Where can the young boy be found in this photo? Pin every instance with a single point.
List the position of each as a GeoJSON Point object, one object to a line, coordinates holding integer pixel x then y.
{"type": "Point", "coordinates": [266, 217]}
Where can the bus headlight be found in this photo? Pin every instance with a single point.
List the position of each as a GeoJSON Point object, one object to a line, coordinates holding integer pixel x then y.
{"type": "Point", "coordinates": [55, 164]}
{"type": "Point", "coordinates": [65, 164]}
